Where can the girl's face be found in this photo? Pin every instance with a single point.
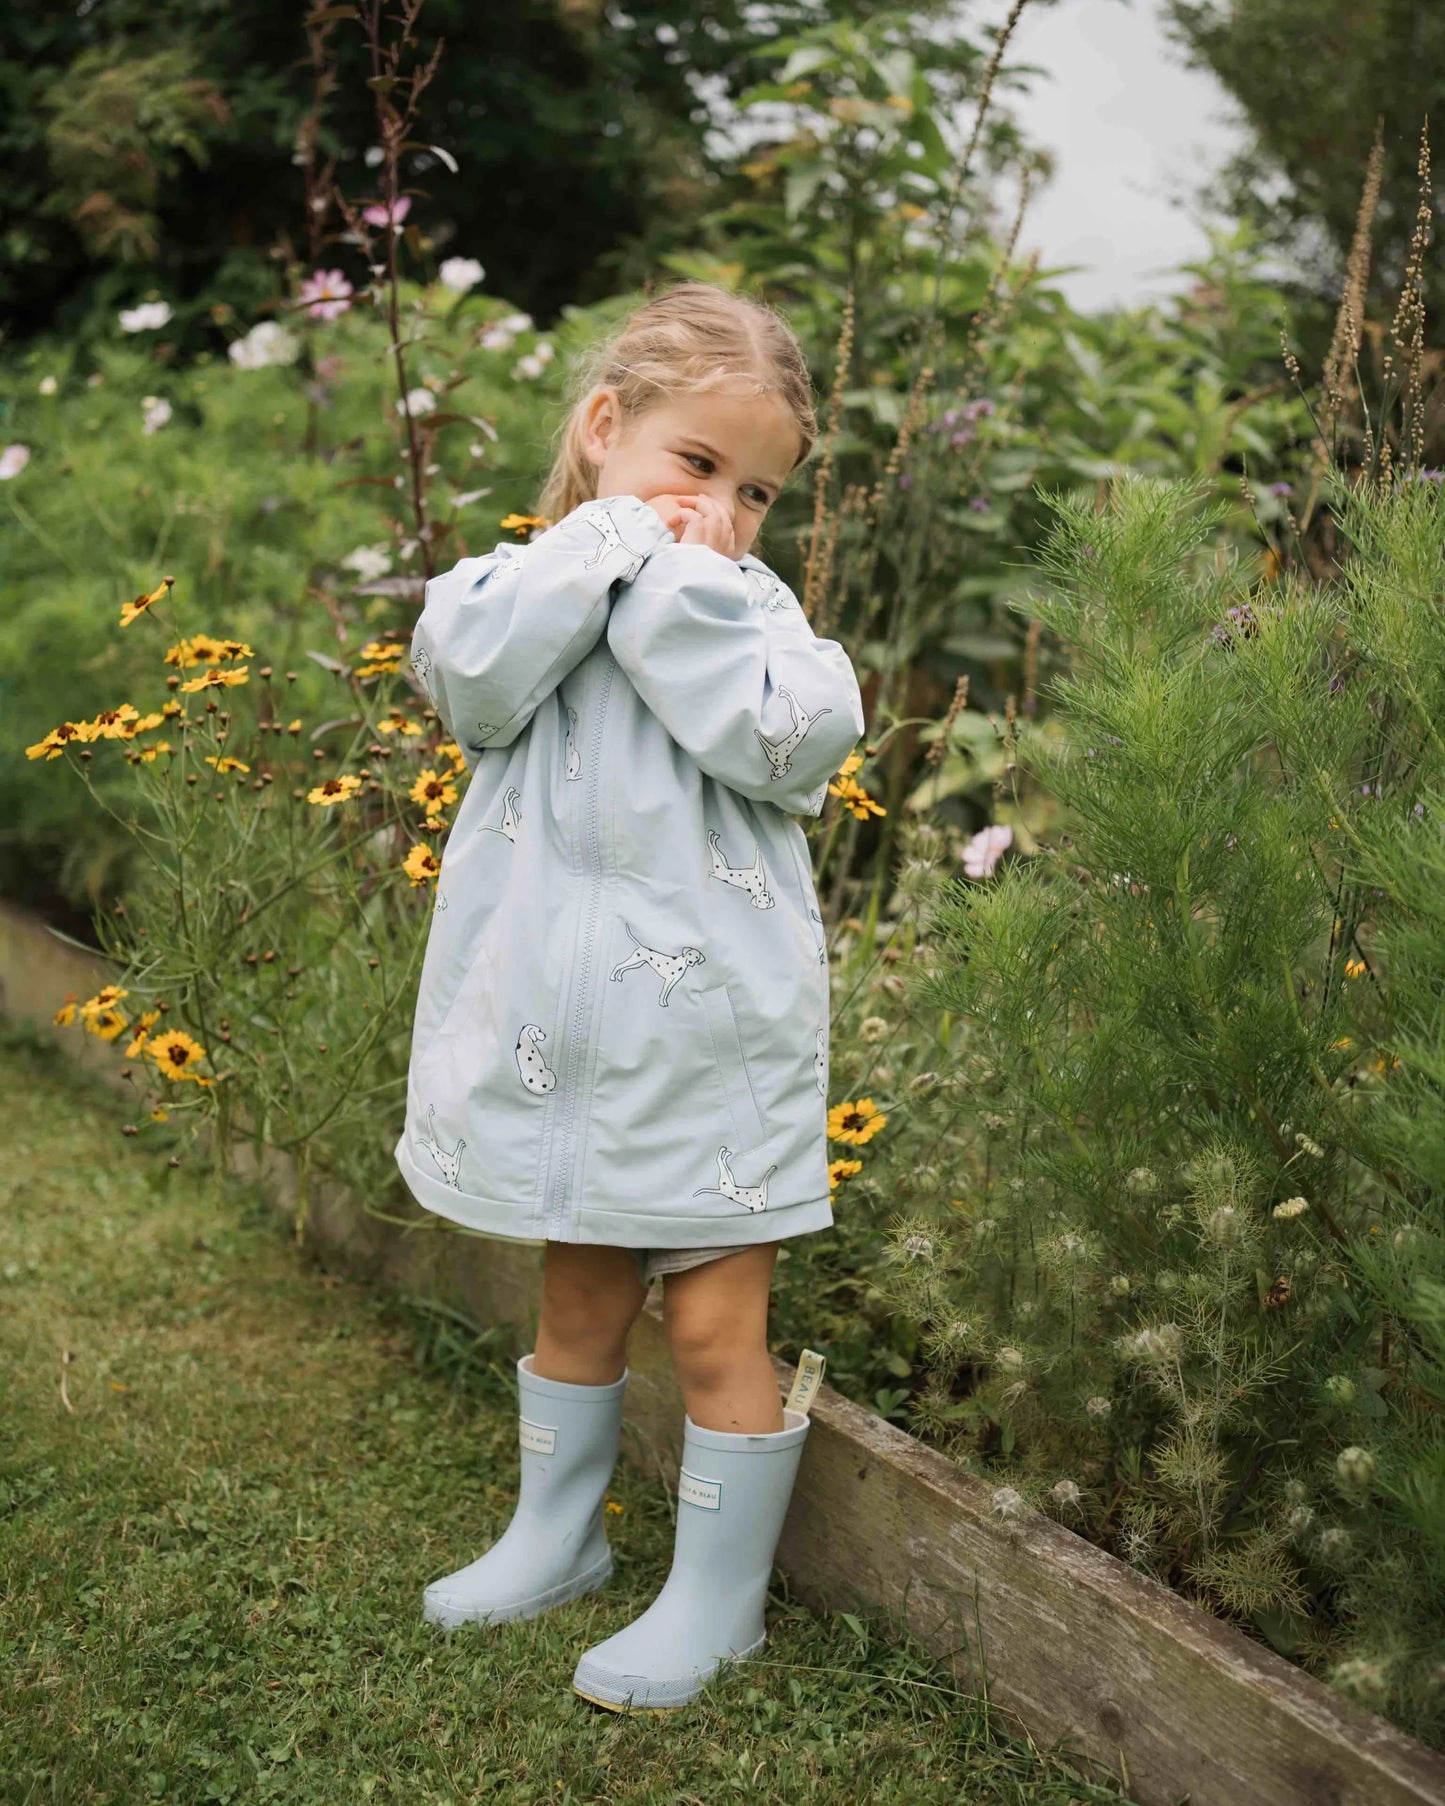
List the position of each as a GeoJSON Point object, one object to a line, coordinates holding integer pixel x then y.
{"type": "Point", "coordinates": [739, 451]}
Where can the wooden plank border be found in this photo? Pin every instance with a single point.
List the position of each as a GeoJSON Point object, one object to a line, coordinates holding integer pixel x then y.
{"type": "Point", "coordinates": [1084, 1652]}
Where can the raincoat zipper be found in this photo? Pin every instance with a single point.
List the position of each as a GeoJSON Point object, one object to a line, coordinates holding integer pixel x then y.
{"type": "Point", "coordinates": [576, 1050]}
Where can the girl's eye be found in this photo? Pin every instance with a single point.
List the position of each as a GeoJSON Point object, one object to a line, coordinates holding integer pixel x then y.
{"type": "Point", "coordinates": [698, 458]}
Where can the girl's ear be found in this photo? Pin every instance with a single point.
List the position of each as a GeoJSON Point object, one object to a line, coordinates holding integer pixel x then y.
{"type": "Point", "coordinates": [601, 422]}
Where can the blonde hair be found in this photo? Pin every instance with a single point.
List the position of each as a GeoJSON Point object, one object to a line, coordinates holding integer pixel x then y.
{"type": "Point", "coordinates": [693, 339]}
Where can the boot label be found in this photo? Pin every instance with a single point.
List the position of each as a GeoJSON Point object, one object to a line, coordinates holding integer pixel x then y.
{"type": "Point", "coordinates": [539, 1438]}
{"type": "Point", "coordinates": [707, 1493]}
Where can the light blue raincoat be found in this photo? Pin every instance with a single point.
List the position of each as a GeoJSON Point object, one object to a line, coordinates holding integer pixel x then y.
{"type": "Point", "coordinates": [621, 1035]}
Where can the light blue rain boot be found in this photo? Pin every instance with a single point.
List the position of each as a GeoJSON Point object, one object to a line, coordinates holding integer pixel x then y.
{"type": "Point", "coordinates": [732, 1497]}
{"type": "Point", "coordinates": [555, 1547]}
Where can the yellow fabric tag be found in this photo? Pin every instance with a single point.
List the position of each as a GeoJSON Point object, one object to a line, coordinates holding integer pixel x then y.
{"type": "Point", "coordinates": [806, 1380]}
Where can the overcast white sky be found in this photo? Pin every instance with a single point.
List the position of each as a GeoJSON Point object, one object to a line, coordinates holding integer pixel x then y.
{"type": "Point", "coordinates": [1130, 126]}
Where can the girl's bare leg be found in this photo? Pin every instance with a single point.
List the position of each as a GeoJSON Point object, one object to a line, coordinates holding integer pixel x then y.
{"type": "Point", "coordinates": [717, 1328]}
{"type": "Point", "coordinates": [590, 1299]}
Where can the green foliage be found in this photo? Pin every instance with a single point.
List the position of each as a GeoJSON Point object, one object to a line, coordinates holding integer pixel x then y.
{"type": "Point", "coordinates": [1190, 1295]}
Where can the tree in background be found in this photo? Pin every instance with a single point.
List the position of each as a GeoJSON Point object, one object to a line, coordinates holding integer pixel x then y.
{"type": "Point", "coordinates": [1312, 78]}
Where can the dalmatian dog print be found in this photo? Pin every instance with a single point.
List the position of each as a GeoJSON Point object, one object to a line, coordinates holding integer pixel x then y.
{"type": "Point", "coordinates": [421, 664]}
{"type": "Point", "coordinates": [485, 729]}
{"type": "Point", "coordinates": [767, 590]}
{"type": "Point", "coordinates": [510, 817]}
{"type": "Point", "coordinates": [780, 752]}
{"type": "Point", "coordinates": [748, 878]}
{"type": "Point", "coordinates": [668, 966]}
{"type": "Point", "coordinates": [536, 1074]}
{"type": "Point", "coordinates": [751, 1197]}
{"type": "Point", "coordinates": [574, 758]}
{"type": "Point", "coordinates": [815, 801]}
{"type": "Point", "coordinates": [448, 1164]}
{"type": "Point", "coordinates": [823, 949]}
{"type": "Point", "coordinates": [439, 905]}
{"type": "Point", "coordinates": [609, 540]}
{"type": "Point", "coordinates": [820, 1062]}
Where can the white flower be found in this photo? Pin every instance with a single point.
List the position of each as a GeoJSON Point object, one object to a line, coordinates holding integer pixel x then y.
{"type": "Point", "coordinates": [1291, 1207]}
{"type": "Point", "coordinates": [374, 154]}
{"type": "Point", "coordinates": [268, 342]}
{"type": "Point", "coordinates": [516, 322]}
{"type": "Point", "coordinates": [1098, 1405]}
{"type": "Point", "coordinates": [368, 562]}
{"type": "Point", "coordinates": [531, 365]}
{"type": "Point", "coordinates": [986, 848]}
{"type": "Point", "coordinates": [1355, 1466]}
{"type": "Point", "coordinates": [148, 317]}
{"type": "Point", "coordinates": [543, 350]}
{"type": "Point", "coordinates": [157, 412]}
{"type": "Point", "coordinates": [460, 273]}
{"type": "Point", "coordinates": [48, 385]}
{"type": "Point", "coordinates": [13, 460]}
{"type": "Point", "coordinates": [496, 338]}
{"type": "Point", "coordinates": [416, 401]}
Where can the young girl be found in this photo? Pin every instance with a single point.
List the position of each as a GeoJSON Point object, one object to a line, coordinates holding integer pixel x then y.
{"type": "Point", "coordinates": [621, 1038]}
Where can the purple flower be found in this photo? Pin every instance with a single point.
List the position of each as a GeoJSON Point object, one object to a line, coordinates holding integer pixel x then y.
{"type": "Point", "coordinates": [1280, 489]}
{"type": "Point", "coordinates": [1427, 476]}
{"type": "Point", "coordinates": [1419, 809]}
{"type": "Point", "coordinates": [979, 503]}
{"type": "Point", "coordinates": [962, 436]}
{"type": "Point", "coordinates": [972, 409]}
{"type": "Point", "coordinates": [950, 416]}
{"type": "Point", "coordinates": [985, 850]}
{"type": "Point", "coordinates": [905, 480]}
{"type": "Point", "coordinates": [326, 294]}
{"type": "Point", "coordinates": [379, 214]}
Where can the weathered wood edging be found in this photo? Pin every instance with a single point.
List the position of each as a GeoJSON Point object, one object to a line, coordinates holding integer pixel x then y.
{"type": "Point", "coordinates": [1080, 1648]}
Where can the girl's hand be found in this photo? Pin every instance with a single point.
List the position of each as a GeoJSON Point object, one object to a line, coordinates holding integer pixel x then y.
{"type": "Point", "coordinates": [695, 520]}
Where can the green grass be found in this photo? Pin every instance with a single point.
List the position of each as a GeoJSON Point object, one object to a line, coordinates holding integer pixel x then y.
{"type": "Point", "coordinates": [211, 1562]}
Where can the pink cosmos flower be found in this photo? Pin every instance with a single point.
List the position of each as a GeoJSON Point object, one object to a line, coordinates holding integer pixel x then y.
{"type": "Point", "coordinates": [985, 850]}
{"type": "Point", "coordinates": [326, 294]}
{"type": "Point", "coordinates": [379, 214]}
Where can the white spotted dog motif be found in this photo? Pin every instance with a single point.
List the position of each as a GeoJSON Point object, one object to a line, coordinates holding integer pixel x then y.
{"type": "Point", "coordinates": [767, 590]}
{"type": "Point", "coordinates": [815, 801]}
{"type": "Point", "coordinates": [751, 1197]}
{"type": "Point", "coordinates": [574, 758]}
{"type": "Point", "coordinates": [421, 664]}
{"type": "Point", "coordinates": [748, 878]}
{"type": "Point", "coordinates": [823, 949]}
{"type": "Point", "coordinates": [820, 1063]}
{"type": "Point", "coordinates": [668, 966]}
{"type": "Point", "coordinates": [510, 817]}
{"type": "Point", "coordinates": [609, 539]}
{"type": "Point", "coordinates": [780, 752]}
{"type": "Point", "coordinates": [485, 729]}
{"type": "Point", "coordinates": [536, 1074]}
{"type": "Point", "coordinates": [449, 1164]}
{"type": "Point", "coordinates": [439, 905]}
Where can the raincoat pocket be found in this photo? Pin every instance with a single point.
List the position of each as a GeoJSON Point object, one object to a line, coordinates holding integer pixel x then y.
{"type": "Point", "coordinates": [749, 1129]}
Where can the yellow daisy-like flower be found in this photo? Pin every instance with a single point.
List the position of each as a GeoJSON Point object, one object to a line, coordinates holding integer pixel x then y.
{"type": "Point", "coordinates": [56, 741]}
{"type": "Point", "coordinates": [842, 1169]}
{"type": "Point", "coordinates": [160, 1114]}
{"type": "Point", "coordinates": [172, 708]}
{"type": "Point", "coordinates": [148, 753]}
{"type": "Point", "coordinates": [1343, 1042]}
{"type": "Point", "coordinates": [381, 649]}
{"type": "Point", "coordinates": [142, 1033]}
{"type": "Point", "coordinates": [614, 1507]}
{"type": "Point", "coordinates": [420, 864]}
{"type": "Point", "coordinates": [132, 611]}
{"type": "Point", "coordinates": [175, 1053]}
{"type": "Point", "coordinates": [65, 1015]}
{"type": "Point", "coordinates": [521, 523]}
{"type": "Point", "coordinates": [434, 791]}
{"type": "Point", "coordinates": [110, 724]}
{"type": "Point", "coordinates": [450, 750]}
{"type": "Point", "coordinates": [380, 667]}
{"type": "Point", "coordinates": [1354, 968]}
{"type": "Point", "coordinates": [850, 765]}
{"type": "Point", "coordinates": [856, 798]}
{"type": "Point", "coordinates": [103, 1000]}
{"type": "Point", "coordinates": [227, 763]}
{"type": "Point", "coordinates": [202, 649]}
{"type": "Point", "coordinates": [105, 1023]}
{"type": "Point", "coordinates": [855, 1122]}
{"type": "Point", "coordinates": [397, 721]}
{"type": "Point", "coordinates": [215, 678]}
{"type": "Point", "coordinates": [334, 790]}
{"type": "Point", "coordinates": [143, 724]}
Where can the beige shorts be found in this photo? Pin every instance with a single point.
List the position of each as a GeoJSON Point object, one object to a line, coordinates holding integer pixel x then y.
{"type": "Point", "coordinates": [651, 1262]}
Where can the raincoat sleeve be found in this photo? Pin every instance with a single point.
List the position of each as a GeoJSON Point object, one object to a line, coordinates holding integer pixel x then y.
{"type": "Point", "coordinates": [498, 633]}
{"type": "Point", "coordinates": [726, 660]}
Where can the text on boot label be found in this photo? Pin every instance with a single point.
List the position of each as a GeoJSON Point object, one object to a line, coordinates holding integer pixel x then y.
{"type": "Point", "coordinates": [538, 1438]}
{"type": "Point", "coordinates": [707, 1493]}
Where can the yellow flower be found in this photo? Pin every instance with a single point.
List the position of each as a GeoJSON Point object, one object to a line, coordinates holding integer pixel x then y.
{"type": "Point", "coordinates": [172, 708]}
{"type": "Point", "coordinates": [379, 667]}
{"type": "Point", "coordinates": [143, 724]}
{"type": "Point", "coordinates": [215, 678]}
{"type": "Point", "coordinates": [148, 753]}
{"type": "Point", "coordinates": [110, 724]}
{"type": "Point", "coordinates": [450, 750]}
{"type": "Point", "coordinates": [855, 1122]}
{"type": "Point", "coordinates": [1354, 968]}
{"type": "Point", "coordinates": [294, 727]}
{"type": "Point", "coordinates": [160, 1114]}
{"type": "Point", "coordinates": [202, 649]}
{"type": "Point", "coordinates": [397, 721]}
{"type": "Point", "coordinates": [842, 1169]}
{"type": "Point", "coordinates": [1344, 1041]}
{"type": "Point", "coordinates": [175, 1053]}
{"type": "Point", "coordinates": [335, 790]}
{"type": "Point", "coordinates": [613, 1506]}
{"type": "Point", "coordinates": [142, 1033]}
{"type": "Point", "coordinates": [381, 649]}
{"type": "Point", "coordinates": [132, 611]}
{"type": "Point", "coordinates": [519, 523]}
{"type": "Point", "coordinates": [56, 741]}
{"type": "Point", "coordinates": [856, 798]}
{"type": "Point", "coordinates": [103, 999]}
{"type": "Point", "coordinates": [850, 765]}
{"type": "Point", "coordinates": [65, 1015]}
{"type": "Point", "coordinates": [227, 763]}
{"type": "Point", "coordinates": [420, 864]}
{"type": "Point", "coordinates": [435, 791]}
{"type": "Point", "coordinates": [105, 1023]}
